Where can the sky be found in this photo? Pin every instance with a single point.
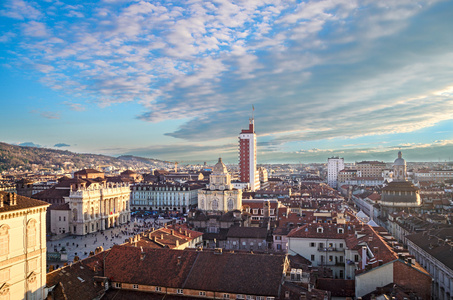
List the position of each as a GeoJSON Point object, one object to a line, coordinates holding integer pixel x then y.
{"type": "Point", "coordinates": [177, 80]}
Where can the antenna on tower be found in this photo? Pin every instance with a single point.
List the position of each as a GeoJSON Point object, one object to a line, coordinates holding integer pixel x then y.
{"type": "Point", "coordinates": [253, 112]}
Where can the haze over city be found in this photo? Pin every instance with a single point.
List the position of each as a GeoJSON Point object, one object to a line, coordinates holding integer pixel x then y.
{"type": "Point", "coordinates": [178, 80]}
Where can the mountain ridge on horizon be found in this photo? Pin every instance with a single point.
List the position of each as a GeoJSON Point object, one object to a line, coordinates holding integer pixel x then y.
{"type": "Point", "coordinates": [16, 156]}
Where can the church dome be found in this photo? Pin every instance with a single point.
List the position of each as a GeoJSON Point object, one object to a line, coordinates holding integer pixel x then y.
{"type": "Point", "coordinates": [220, 168]}
{"type": "Point", "coordinates": [400, 160]}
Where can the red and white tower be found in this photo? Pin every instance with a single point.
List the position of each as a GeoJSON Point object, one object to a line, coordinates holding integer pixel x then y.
{"type": "Point", "coordinates": [247, 157]}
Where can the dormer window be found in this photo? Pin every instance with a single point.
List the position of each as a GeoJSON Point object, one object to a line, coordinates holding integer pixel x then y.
{"type": "Point", "coordinates": [320, 230]}
{"type": "Point", "coordinates": [340, 230]}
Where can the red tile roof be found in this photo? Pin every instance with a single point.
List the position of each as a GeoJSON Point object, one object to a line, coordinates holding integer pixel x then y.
{"type": "Point", "coordinates": [254, 274]}
{"type": "Point", "coordinates": [22, 202]}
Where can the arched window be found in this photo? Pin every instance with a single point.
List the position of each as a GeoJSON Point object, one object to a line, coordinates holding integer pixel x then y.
{"type": "Point", "coordinates": [4, 240]}
{"type": "Point", "coordinates": [74, 214]}
{"type": "Point", "coordinates": [230, 204]}
{"type": "Point", "coordinates": [215, 204]}
{"type": "Point", "coordinates": [31, 233]}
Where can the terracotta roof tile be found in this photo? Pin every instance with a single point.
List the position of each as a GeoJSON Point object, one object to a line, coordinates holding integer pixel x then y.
{"type": "Point", "coordinates": [21, 202]}
{"type": "Point", "coordinates": [227, 272]}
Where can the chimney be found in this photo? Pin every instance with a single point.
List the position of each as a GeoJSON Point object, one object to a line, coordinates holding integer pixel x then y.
{"type": "Point", "coordinates": [142, 254]}
{"type": "Point", "coordinates": [165, 225]}
{"type": "Point", "coordinates": [177, 243]}
{"type": "Point", "coordinates": [1, 200]}
{"type": "Point", "coordinates": [161, 236]}
{"type": "Point", "coordinates": [179, 261]}
{"type": "Point", "coordinates": [180, 230]}
{"type": "Point", "coordinates": [190, 234]}
{"type": "Point", "coordinates": [11, 199]}
{"type": "Point", "coordinates": [155, 238]}
{"type": "Point", "coordinates": [172, 232]}
{"type": "Point", "coordinates": [363, 257]}
{"type": "Point", "coordinates": [185, 232]}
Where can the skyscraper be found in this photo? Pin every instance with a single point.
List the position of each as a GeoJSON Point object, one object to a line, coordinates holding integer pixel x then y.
{"type": "Point", "coordinates": [247, 157]}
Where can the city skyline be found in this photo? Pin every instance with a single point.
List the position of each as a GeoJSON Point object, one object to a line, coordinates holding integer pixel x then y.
{"type": "Point", "coordinates": [177, 81]}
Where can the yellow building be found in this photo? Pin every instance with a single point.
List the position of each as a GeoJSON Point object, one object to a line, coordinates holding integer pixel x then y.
{"type": "Point", "coordinates": [22, 247]}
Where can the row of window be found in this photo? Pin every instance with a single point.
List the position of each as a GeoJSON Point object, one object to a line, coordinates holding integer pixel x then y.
{"type": "Point", "coordinates": [329, 245]}
{"type": "Point", "coordinates": [203, 293]}
{"type": "Point", "coordinates": [331, 258]}
{"type": "Point", "coordinates": [159, 189]}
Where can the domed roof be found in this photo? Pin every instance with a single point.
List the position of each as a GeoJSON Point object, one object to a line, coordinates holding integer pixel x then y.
{"type": "Point", "coordinates": [400, 160]}
{"type": "Point", "coordinates": [220, 168]}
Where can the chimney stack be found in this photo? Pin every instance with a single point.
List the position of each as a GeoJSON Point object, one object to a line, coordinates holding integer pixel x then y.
{"type": "Point", "coordinates": [11, 199]}
{"type": "Point", "coordinates": [363, 257]}
{"type": "Point", "coordinates": [142, 254]}
{"type": "Point", "coordinates": [177, 243]}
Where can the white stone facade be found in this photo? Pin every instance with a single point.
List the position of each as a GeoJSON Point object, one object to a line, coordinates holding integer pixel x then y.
{"type": "Point", "coordinates": [98, 207]}
{"type": "Point", "coordinates": [22, 250]}
{"type": "Point", "coordinates": [220, 194]}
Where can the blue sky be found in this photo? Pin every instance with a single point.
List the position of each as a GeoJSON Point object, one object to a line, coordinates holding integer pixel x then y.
{"type": "Point", "coordinates": [177, 80]}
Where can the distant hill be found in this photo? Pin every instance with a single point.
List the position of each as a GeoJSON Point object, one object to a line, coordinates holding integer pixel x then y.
{"type": "Point", "coordinates": [12, 156]}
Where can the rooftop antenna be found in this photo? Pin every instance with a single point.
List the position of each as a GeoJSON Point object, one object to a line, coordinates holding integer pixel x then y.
{"type": "Point", "coordinates": [253, 112]}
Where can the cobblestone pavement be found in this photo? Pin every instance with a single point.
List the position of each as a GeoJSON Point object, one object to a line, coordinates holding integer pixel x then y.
{"type": "Point", "coordinates": [82, 245]}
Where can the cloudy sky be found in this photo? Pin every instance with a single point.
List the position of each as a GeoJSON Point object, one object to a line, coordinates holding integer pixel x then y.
{"type": "Point", "coordinates": [177, 80]}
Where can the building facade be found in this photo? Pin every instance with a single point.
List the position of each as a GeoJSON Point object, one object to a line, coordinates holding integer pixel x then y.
{"type": "Point", "coordinates": [432, 250]}
{"type": "Point", "coordinates": [219, 196]}
{"type": "Point", "coordinates": [370, 168]}
{"type": "Point", "coordinates": [165, 196]}
{"type": "Point", "coordinates": [247, 157]}
{"type": "Point", "coordinates": [334, 166]}
{"type": "Point", "coordinates": [99, 207]}
{"type": "Point", "coordinates": [22, 247]}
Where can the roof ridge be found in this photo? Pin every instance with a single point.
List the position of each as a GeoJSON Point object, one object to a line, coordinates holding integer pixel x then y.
{"type": "Point", "coordinates": [191, 268]}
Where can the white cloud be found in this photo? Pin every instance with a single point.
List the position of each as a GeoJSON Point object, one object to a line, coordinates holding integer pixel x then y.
{"type": "Point", "coordinates": [315, 69]}
{"type": "Point", "coordinates": [21, 10]}
{"type": "Point", "coordinates": [35, 29]}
